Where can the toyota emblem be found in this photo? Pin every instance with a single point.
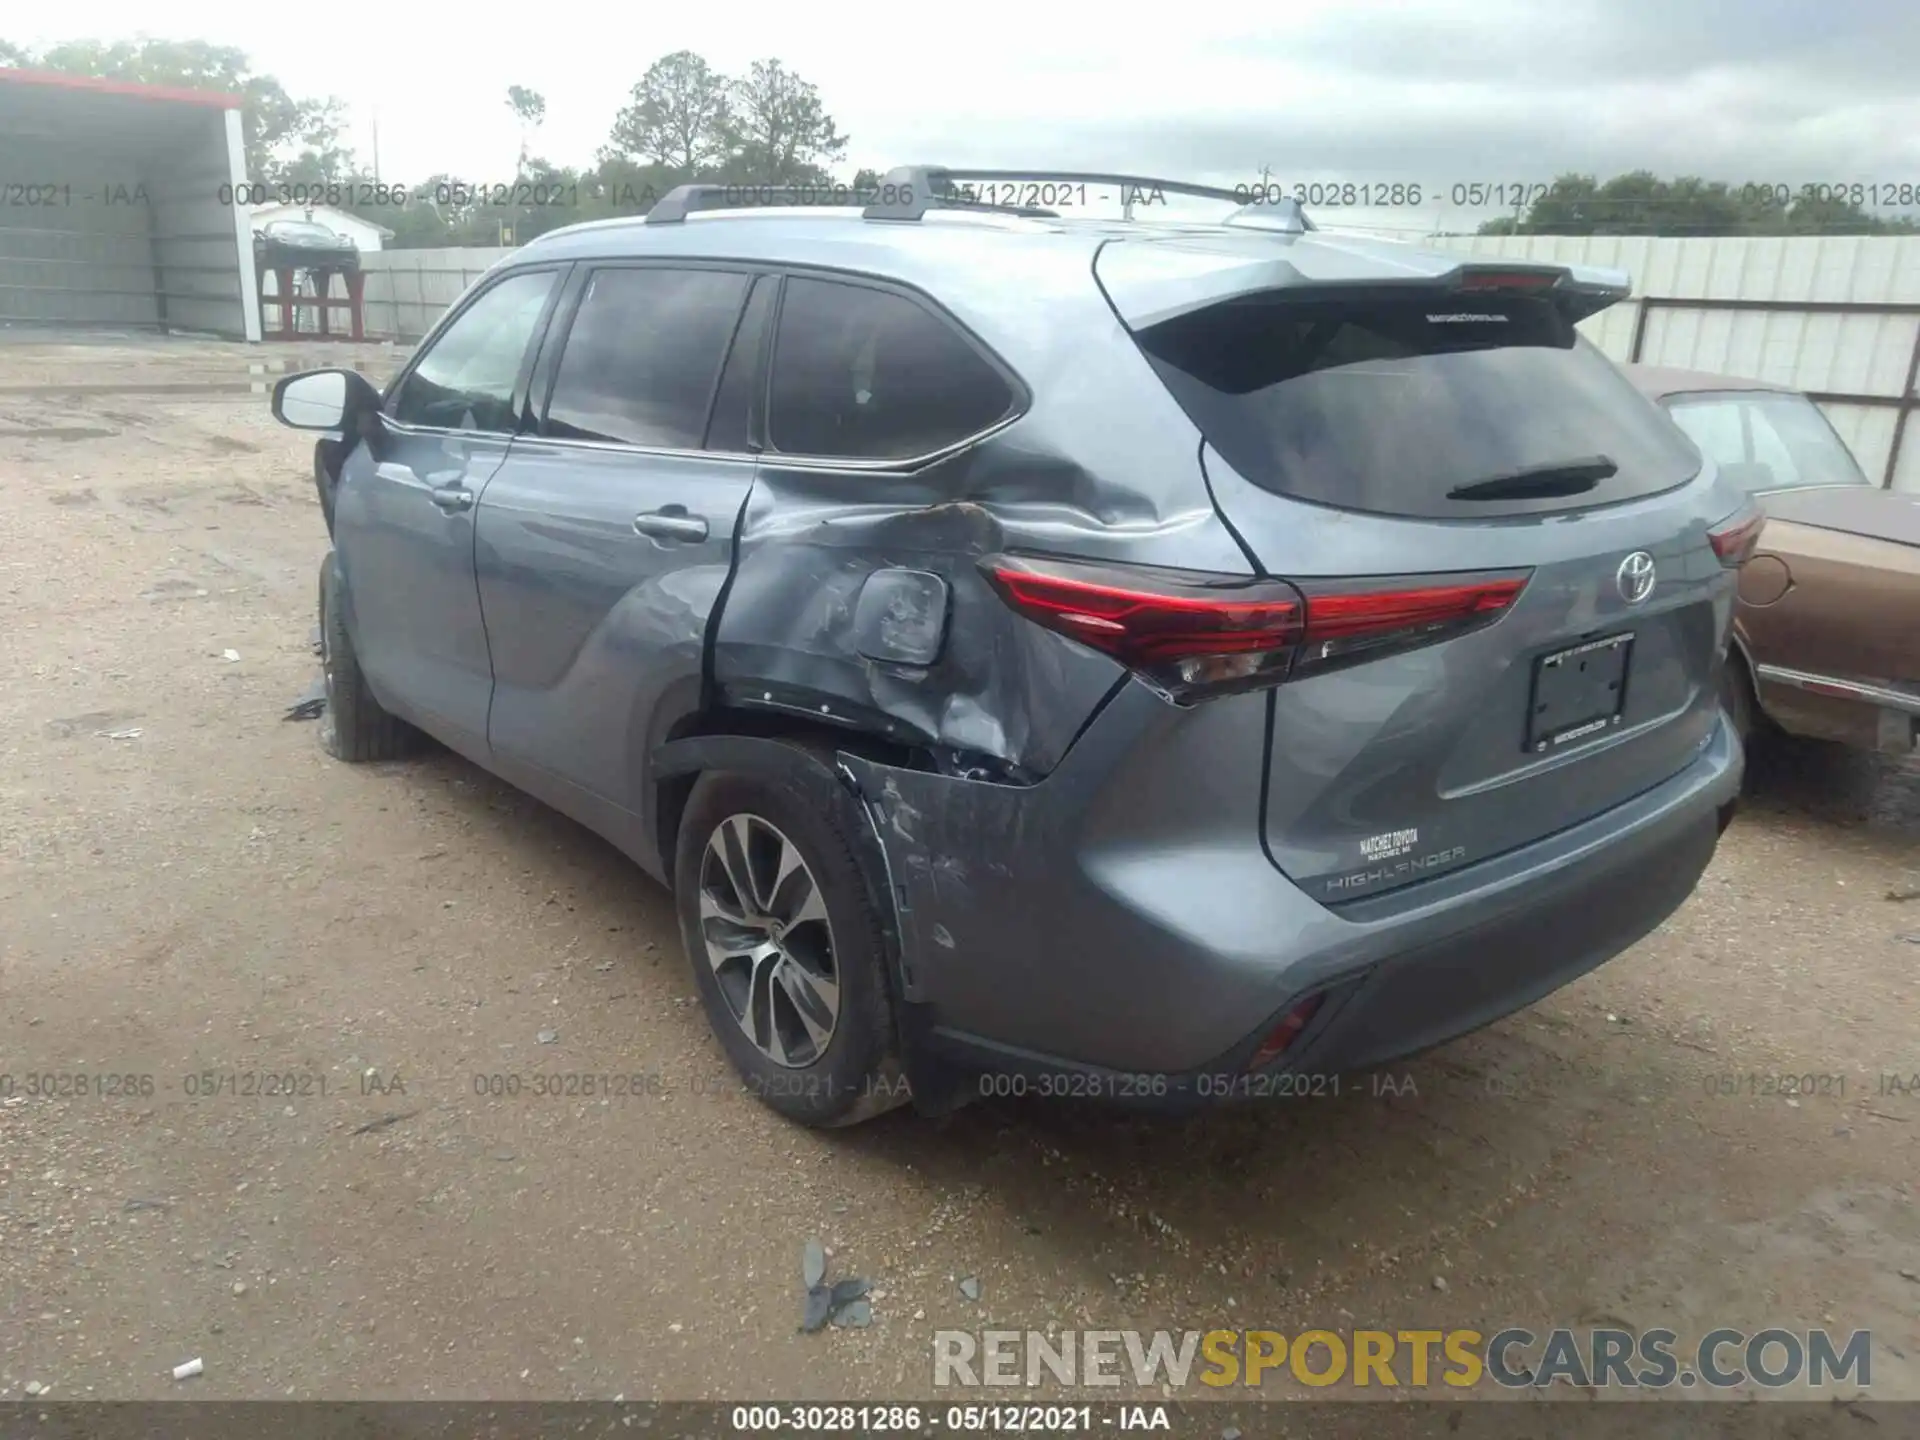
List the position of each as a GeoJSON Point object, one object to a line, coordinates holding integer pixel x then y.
{"type": "Point", "coordinates": [1635, 577]}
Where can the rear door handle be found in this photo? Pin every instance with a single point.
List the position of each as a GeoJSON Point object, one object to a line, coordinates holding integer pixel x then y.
{"type": "Point", "coordinates": [670, 522]}
{"type": "Point", "coordinates": [452, 498]}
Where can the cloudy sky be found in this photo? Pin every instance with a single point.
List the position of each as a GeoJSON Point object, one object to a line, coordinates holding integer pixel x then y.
{"type": "Point", "coordinates": [1432, 92]}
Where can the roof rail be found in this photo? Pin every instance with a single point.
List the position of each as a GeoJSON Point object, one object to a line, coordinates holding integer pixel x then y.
{"type": "Point", "coordinates": [908, 192]}
{"type": "Point", "coordinates": [683, 200]}
{"type": "Point", "coordinates": [920, 188]}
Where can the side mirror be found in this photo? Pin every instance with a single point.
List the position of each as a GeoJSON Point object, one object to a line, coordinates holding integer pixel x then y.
{"type": "Point", "coordinates": [323, 400]}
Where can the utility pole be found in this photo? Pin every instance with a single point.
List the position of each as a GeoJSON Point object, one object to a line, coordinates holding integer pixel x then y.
{"type": "Point", "coordinates": [376, 145]}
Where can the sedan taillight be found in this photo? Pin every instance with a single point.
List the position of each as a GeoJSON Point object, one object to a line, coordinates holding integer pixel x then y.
{"type": "Point", "coordinates": [1735, 537]}
{"type": "Point", "coordinates": [1191, 634]}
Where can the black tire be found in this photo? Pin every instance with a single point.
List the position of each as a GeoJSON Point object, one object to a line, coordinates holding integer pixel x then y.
{"type": "Point", "coordinates": [353, 727]}
{"type": "Point", "coordinates": [857, 1075]}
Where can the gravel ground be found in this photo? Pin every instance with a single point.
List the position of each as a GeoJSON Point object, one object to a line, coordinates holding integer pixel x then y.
{"type": "Point", "coordinates": [193, 896]}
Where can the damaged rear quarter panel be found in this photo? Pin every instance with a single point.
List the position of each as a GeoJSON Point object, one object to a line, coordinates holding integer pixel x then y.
{"type": "Point", "coordinates": [792, 638]}
{"type": "Point", "coordinates": [1102, 464]}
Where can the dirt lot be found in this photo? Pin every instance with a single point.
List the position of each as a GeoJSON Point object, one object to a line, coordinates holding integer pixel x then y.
{"type": "Point", "coordinates": [190, 891]}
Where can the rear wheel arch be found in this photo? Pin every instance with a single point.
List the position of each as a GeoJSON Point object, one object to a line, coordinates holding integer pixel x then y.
{"type": "Point", "coordinates": [800, 761]}
{"type": "Point", "coordinates": [749, 742]}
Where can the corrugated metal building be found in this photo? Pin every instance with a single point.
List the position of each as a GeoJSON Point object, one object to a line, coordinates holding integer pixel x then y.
{"type": "Point", "coordinates": [1838, 316]}
{"type": "Point", "coordinates": [114, 214]}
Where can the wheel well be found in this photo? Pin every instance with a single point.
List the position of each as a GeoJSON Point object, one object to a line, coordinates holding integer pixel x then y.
{"type": "Point", "coordinates": [672, 792]}
{"type": "Point", "coordinates": [1742, 669]}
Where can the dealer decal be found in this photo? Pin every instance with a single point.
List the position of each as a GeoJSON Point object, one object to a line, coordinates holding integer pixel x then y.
{"type": "Point", "coordinates": [1385, 847]}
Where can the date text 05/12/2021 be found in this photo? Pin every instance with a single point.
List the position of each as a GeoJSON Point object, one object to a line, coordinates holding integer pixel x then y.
{"type": "Point", "coordinates": [911, 1419]}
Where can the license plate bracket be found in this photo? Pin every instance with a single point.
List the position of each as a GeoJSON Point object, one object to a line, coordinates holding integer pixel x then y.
{"type": "Point", "coordinates": [1578, 693]}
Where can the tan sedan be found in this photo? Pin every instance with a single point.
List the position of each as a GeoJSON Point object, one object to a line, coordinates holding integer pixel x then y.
{"type": "Point", "coordinates": [1827, 634]}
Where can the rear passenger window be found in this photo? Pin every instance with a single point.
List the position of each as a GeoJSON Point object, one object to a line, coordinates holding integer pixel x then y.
{"type": "Point", "coordinates": [643, 355]}
{"type": "Point", "coordinates": [862, 374]}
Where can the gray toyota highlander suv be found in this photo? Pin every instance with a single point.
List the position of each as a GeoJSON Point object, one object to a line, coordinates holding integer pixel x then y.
{"type": "Point", "coordinates": [1051, 655]}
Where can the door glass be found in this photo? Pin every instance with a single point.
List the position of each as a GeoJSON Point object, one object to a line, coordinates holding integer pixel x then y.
{"type": "Point", "coordinates": [642, 356]}
{"type": "Point", "coordinates": [465, 381]}
{"type": "Point", "coordinates": [866, 375]}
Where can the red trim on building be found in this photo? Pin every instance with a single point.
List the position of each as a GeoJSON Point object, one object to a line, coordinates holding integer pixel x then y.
{"type": "Point", "coordinates": [87, 83]}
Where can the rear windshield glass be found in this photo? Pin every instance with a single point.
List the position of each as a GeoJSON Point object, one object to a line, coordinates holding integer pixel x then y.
{"type": "Point", "coordinates": [1426, 405]}
{"type": "Point", "coordinates": [1765, 440]}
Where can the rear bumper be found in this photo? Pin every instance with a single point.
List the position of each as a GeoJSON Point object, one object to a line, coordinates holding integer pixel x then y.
{"type": "Point", "coordinates": [1554, 931]}
{"type": "Point", "coordinates": [1118, 931]}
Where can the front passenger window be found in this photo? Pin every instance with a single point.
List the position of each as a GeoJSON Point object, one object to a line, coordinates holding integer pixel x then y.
{"type": "Point", "coordinates": [465, 381]}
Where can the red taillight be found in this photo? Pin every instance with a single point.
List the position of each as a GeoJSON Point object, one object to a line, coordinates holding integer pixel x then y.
{"type": "Point", "coordinates": [1285, 1033]}
{"type": "Point", "coordinates": [1189, 633]}
{"type": "Point", "coordinates": [1160, 624]}
{"type": "Point", "coordinates": [1181, 630]}
{"type": "Point", "coordinates": [1735, 537]}
{"type": "Point", "coordinates": [1350, 619]}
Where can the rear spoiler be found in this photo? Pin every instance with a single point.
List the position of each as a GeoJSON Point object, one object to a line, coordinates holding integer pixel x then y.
{"type": "Point", "coordinates": [1153, 281]}
{"type": "Point", "coordinates": [1577, 290]}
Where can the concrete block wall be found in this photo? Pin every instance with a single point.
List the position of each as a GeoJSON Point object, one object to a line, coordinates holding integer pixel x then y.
{"type": "Point", "coordinates": [408, 290]}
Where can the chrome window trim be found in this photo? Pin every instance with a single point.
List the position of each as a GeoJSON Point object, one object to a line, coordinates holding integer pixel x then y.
{"type": "Point", "coordinates": [503, 436]}
{"type": "Point", "coordinates": [793, 462]}
{"type": "Point", "coordinates": [617, 447]}
{"type": "Point", "coordinates": [916, 462]}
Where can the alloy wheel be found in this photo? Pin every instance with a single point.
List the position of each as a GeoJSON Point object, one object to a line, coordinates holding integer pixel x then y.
{"type": "Point", "coordinates": [768, 940]}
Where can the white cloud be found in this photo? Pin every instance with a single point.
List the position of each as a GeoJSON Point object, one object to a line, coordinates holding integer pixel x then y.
{"type": "Point", "coordinates": [1430, 91]}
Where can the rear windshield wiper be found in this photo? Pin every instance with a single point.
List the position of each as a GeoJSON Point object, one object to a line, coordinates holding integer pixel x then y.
{"type": "Point", "coordinates": [1540, 482]}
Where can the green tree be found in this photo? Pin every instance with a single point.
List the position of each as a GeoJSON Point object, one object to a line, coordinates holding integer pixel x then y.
{"type": "Point", "coordinates": [782, 132]}
{"type": "Point", "coordinates": [1641, 203]}
{"type": "Point", "coordinates": [530, 109]}
{"type": "Point", "coordinates": [678, 118]}
{"type": "Point", "coordinates": [286, 139]}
